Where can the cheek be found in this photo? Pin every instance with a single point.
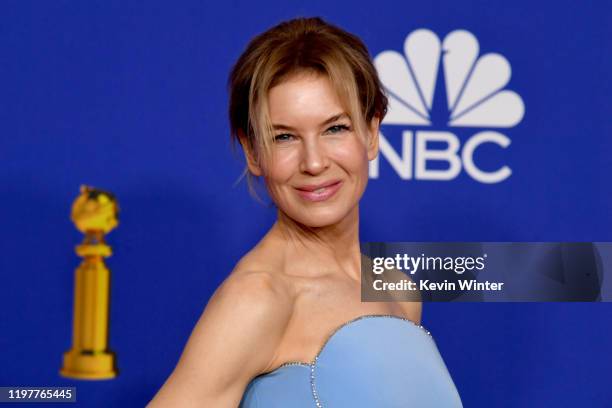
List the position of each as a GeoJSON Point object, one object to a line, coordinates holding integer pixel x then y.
{"type": "Point", "coordinates": [282, 165]}
{"type": "Point", "coordinates": [353, 157]}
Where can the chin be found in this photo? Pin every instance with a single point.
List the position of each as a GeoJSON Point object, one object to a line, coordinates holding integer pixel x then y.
{"type": "Point", "coordinates": [319, 217]}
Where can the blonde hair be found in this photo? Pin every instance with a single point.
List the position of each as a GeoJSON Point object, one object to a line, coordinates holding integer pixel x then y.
{"type": "Point", "coordinates": [291, 47]}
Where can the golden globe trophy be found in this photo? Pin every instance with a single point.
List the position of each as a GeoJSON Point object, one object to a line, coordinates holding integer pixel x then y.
{"type": "Point", "coordinates": [94, 213]}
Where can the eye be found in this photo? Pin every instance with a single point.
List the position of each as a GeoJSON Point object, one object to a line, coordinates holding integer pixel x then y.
{"type": "Point", "coordinates": [338, 129]}
{"type": "Point", "coordinates": [284, 137]}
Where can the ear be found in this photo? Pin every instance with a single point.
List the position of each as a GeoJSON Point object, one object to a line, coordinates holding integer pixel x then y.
{"type": "Point", "coordinates": [249, 154]}
{"type": "Point", "coordinates": [372, 142]}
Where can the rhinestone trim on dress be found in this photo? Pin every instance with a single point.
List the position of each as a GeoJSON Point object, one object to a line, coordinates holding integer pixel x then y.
{"type": "Point", "coordinates": [292, 363]}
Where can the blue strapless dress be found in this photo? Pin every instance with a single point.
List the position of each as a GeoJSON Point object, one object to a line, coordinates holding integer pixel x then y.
{"type": "Point", "coordinates": [380, 361]}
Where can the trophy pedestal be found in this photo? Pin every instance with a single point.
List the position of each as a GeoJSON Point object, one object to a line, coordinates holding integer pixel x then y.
{"type": "Point", "coordinates": [87, 365]}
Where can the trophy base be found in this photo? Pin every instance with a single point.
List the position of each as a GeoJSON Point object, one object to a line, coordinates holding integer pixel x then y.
{"type": "Point", "coordinates": [88, 365]}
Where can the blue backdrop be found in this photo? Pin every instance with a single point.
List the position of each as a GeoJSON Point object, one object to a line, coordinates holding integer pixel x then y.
{"type": "Point", "coordinates": [131, 97]}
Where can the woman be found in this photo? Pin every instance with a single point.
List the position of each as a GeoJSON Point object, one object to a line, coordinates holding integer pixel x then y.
{"type": "Point", "coordinates": [287, 327]}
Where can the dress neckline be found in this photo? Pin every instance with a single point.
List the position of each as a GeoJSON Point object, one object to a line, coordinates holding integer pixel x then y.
{"type": "Point", "coordinates": [336, 330]}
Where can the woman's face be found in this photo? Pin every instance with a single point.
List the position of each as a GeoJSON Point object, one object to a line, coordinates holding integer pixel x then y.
{"type": "Point", "coordinates": [318, 167]}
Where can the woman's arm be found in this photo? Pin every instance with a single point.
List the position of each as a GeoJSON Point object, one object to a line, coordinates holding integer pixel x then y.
{"type": "Point", "coordinates": [234, 340]}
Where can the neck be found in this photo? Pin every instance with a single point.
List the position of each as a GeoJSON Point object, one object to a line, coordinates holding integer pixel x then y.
{"type": "Point", "coordinates": [336, 246]}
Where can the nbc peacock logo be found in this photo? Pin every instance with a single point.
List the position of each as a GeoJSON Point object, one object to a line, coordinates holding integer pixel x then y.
{"type": "Point", "coordinates": [467, 91]}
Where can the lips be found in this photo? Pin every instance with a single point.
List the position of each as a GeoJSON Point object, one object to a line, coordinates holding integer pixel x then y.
{"type": "Point", "coordinates": [319, 192]}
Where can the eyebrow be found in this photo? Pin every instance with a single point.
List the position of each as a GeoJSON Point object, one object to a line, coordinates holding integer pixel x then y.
{"type": "Point", "coordinates": [334, 118]}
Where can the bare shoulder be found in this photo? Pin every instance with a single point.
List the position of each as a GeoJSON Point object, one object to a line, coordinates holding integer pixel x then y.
{"type": "Point", "coordinates": [235, 339]}
{"type": "Point", "coordinates": [253, 292]}
{"type": "Point", "coordinates": [254, 302]}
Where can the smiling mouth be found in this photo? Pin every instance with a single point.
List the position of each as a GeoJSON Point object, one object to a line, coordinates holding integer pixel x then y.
{"type": "Point", "coordinates": [319, 194]}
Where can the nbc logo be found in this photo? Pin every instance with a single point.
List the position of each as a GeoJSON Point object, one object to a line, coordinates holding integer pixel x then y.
{"type": "Point", "coordinates": [474, 97]}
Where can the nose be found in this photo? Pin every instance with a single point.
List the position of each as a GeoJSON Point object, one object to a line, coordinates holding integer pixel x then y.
{"type": "Point", "coordinates": [314, 158]}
